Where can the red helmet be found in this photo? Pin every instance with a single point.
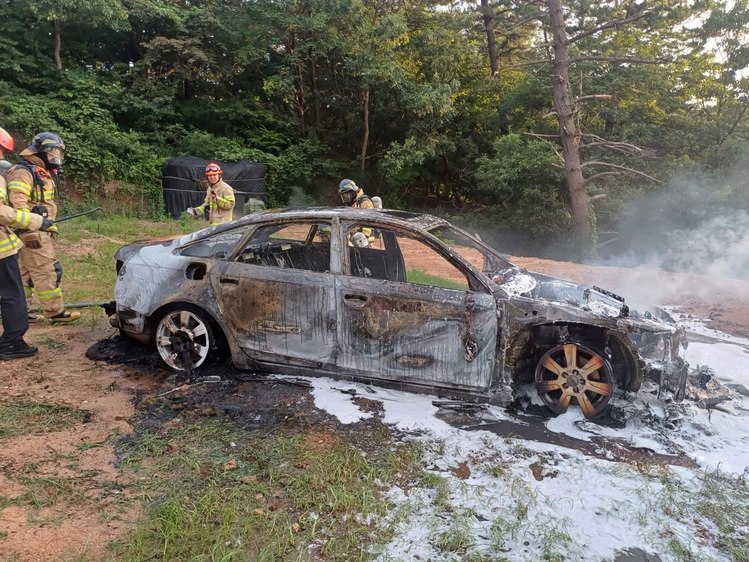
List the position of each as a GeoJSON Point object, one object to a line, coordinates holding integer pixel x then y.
{"type": "Point", "coordinates": [6, 141]}
{"type": "Point", "coordinates": [213, 167]}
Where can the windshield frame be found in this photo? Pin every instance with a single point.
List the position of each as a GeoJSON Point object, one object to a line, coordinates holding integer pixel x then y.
{"type": "Point", "coordinates": [457, 240]}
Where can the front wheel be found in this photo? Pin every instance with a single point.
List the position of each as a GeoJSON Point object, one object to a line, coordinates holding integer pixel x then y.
{"type": "Point", "coordinates": [184, 339]}
{"type": "Point", "coordinates": [570, 372]}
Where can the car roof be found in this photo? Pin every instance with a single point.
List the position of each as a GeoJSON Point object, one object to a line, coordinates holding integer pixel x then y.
{"type": "Point", "coordinates": [385, 217]}
{"type": "Point", "coordinates": [389, 216]}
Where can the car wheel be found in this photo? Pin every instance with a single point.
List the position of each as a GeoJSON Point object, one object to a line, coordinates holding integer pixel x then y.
{"type": "Point", "coordinates": [184, 339]}
{"type": "Point", "coordinates": [570, 372]}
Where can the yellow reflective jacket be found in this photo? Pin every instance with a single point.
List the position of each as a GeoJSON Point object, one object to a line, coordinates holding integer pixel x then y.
{"type": "Point", "coordinates": [220, 209]}
{"type": "Point", "coordinates": [24, 192]}
{"type": "Point", "coordinates": [11, 218]}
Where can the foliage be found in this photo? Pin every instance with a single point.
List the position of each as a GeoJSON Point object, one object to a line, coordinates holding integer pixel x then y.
{"type": "Point", "coordinates": [398, 95]}
{"type": "Point", "coordinates": [522, 186]}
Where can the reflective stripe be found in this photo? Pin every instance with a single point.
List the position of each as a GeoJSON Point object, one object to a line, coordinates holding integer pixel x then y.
{"type": "Point", "coordinates": [28, 291]}
{"type": "Point", "coordinates": [49, 294]}
{"type": "Point", "coordinates": [23, 218]}
{"type": "Point", "coordinates": [9, 243]}
{"type": "Point", "coordinates": [221, 202]}
{"type": "Point", "coordinates": [22, 186]}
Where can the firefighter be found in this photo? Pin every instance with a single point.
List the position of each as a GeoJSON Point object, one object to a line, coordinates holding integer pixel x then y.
{"type": "Point", "coordinates": [353, 195]}
{"type": "Point", "coordinates": [12, 299]}
{"type": "Point", "coordinates": [32, 186]}
{"type": "Point", "coordinates": [219, 198]}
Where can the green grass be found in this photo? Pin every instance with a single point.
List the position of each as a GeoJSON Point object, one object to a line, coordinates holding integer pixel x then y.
{"type": "Point", "coordinates": [423, 278]}
{"type": "Point", "coordinates": [124, 228]}
{"type": "Point", "coordinates": [29, 418]}
{"type": "Point", "coordinates": [275, 495]}
{"type": "Point", "coordinates": [718, 511]}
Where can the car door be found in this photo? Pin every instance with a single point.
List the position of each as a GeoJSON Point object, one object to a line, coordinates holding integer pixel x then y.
{"type": "Point", "coordinates": [406, 314]}
{"type": "Point", "coordinates": [278, 296]}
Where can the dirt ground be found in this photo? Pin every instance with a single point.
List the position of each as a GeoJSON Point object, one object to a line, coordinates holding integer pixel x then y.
{"type": "Point", "coordinates": [112, 387]}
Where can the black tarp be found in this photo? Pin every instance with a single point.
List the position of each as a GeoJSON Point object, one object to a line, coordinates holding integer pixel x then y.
{"type": "Point", "coordinates": [183, 183]}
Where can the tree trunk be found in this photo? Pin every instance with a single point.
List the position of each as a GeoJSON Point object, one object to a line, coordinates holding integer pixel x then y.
{"type": "Point", "coordinates": [365, 140]}
{"type": "Point", "coordinates": [56, 30]}
{"type": "Point", "coordinates": [300, 95]}
{"type": "Point", "coordinates": [315, 91]}
{"type": "Point", "coordinates": [491, 38]}
{"type": "Point", "coordinates": [298, 82]}
{"type": "Point", "coordinates": [569, 133]}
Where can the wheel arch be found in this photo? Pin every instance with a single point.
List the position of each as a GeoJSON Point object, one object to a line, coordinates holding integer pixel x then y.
{"type": "Point", "coordinates": [220, 337]}
{"type": "Point", "coordinates": [617, 348]}
{"type": "Point", "coordinates": [625, 361]}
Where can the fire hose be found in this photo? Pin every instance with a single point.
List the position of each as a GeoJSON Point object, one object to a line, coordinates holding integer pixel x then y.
{"type": "Point", "coordinates": [67, 218]}
{"type": "Point", "coordinates": [92, 304]}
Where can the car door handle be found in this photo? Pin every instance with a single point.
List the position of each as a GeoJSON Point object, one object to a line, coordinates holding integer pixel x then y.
{"type": "Point", "coordinates": [355, 301]}
{"type": "Point", "coordinates": [228, 280]}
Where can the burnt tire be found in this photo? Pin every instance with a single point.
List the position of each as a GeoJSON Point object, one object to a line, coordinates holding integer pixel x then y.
{"type": "Point", "coordinates": [573, 373]}
{"type": "Point", "coordinates": [185, 338]}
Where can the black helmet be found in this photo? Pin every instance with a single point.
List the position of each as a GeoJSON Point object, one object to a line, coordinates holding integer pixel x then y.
{"type": "Point", "coordinates": [49, 147]}
{"type": "Point", "coordinates": [348, 190]}
{"type": "Point", "coordinates": [347, 185]}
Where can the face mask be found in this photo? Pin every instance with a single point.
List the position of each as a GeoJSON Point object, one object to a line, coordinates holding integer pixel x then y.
{"type": "Point", "coordinates": [54, 158]}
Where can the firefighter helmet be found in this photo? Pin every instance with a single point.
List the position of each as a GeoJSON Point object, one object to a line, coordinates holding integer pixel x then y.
{"type": "Point", "coordinates": [347, 185]}
{"type": "Point", "coordinates": [6, 141]}
{"type": "Point", "coordinates": [348, 190]}
{"type": "Point", "coordinates": [213, 167]}
{"type": "Point", "coordinates": [49, 147]}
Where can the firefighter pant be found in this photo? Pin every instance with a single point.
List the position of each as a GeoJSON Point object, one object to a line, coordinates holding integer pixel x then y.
{"type": "Point", "coordinates": [41, 272]}
{"type": "Point", "coordinates": [12, 302]}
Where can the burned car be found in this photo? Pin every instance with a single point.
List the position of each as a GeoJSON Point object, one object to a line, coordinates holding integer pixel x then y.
{"type": "Point", "coordinates": [392, 298]}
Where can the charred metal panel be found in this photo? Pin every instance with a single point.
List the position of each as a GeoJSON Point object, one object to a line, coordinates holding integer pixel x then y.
{"type": "Point", "coordinates": [150, 276]}
{"type": "Point", "coordinates": [415, 333]}
{"type": "Point", "coordinates": [277, 314]}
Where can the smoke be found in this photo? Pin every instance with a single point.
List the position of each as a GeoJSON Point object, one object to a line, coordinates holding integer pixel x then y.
{"type": "Point", "coordinates": [695, 227]}
{"type": "Point", "coordinates": [719, 246]}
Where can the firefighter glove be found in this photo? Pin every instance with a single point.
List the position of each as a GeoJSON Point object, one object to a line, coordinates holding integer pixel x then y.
{"type": "Point", "coordinates": [40, 210]}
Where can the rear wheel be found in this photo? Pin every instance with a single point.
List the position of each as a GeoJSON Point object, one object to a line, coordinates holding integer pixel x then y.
{"type": "Point", "coordinates": [572, 372]}
{"type": "Point", "coordinates": [184, 339]}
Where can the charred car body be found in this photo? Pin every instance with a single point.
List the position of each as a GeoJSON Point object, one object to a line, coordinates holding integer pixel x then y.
{"type": "Point", "coordinates": [392, 298]}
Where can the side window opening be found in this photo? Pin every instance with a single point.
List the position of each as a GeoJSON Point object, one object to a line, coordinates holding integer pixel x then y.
{"type": "Point", "coordinates": [301, 246]}
{"type": "Point", "coordinates": [215, 247]}
{"type": "Point", "coordinates": [396, 256]}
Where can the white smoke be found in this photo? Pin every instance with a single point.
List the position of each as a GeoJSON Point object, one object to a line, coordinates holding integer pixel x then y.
{"type": "Point", "coordinates": [718, 247]}
{"type": "Point", "coordinates": [690, 237]}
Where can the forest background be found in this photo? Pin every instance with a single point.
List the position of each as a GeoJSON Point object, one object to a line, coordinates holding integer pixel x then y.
{"type": "Point", "coordinates": [612, 129]}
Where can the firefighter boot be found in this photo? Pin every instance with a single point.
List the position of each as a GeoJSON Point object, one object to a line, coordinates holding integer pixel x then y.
{"type": "Point", "coordinates": [35, 318]}
{"type": "Point", "coordinates": [16, 350]}
{"type": "Point", "coordinates": [64, 317]}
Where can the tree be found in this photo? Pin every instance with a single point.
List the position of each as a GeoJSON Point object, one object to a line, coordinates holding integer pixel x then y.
{"type": "Point", "coordinates": [595, 20]}
{"type": "Point", "coordinates": [109, 13]}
